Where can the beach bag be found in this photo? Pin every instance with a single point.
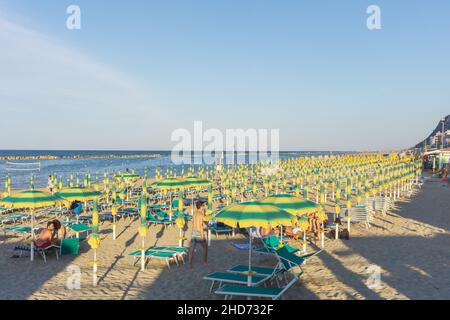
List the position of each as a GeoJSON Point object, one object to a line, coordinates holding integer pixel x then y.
{"type": "Point", "coordinates": [344, 234]}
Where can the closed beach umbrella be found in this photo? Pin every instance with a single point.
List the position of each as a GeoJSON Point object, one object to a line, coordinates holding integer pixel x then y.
{"type": "Point", "coordinates": [253, 214]}
{"type": "Point", "coordinates": [94, 240]}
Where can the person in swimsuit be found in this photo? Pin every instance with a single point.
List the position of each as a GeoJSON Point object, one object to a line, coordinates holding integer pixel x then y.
{"type": "Point", "coordinates": [45, 238]}
{"type": "Point", "coordinates": [198, 234]}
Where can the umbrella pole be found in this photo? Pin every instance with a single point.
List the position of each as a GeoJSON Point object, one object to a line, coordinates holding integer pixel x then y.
{"type": "Point", "coordinates": [143, 255]}
{"type": "Point", "coordinates": [94, 275]}
{"type": "Point", "coordinates": [32, 236]}
{"type": "Point", "coordinates": [281, 234]}
{"type": "Point", "coordinates": [304, 241]}
{"type": "Point", "coordinates": [114, 227]}
{"type": "Point", "coordinates": [249, 277]}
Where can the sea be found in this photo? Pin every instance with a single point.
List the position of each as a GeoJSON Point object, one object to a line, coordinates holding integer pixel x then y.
{"type": "Point", "coordinates": [79, 163]}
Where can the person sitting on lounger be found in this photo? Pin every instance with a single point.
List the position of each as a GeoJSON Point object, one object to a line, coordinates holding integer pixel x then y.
{"type": "Point", "coordinates": [45, 237]}
{"type": "Point", "coordinates": [60, 231]}
{"type": "Point", "coordinates": [198, 233]}
{"type": "Point", "coordinates": [314, 225]}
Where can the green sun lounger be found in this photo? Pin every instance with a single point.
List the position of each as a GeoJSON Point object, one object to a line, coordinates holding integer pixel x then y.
{"type": "Point", "coordinates": [17, 229]}
{"type": "Point", "coordinates": [258, 292]}
{"type": "Point", "coordinates": [288, 260]}
{"type": "Point", "coordinates": [271, 244]}
{"type": "Point", "coordinates": [226, 277]}
{"type": "Point", "coordinates": [153, 219]}
{"type": "Point", "coordinates": [260, 271]}
{"type": "Point", "coordinates": [79, 228]}
{"type": "Point", "coordinates": [162, 253]}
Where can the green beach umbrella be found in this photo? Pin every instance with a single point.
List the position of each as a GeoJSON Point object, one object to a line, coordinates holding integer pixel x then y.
{"type": "Point", "coordinates": [253, 214]}
{"type": "Point", "coordinates": [79, 193]}
{"type": "Point", "coordinates": [169, 183]}
{"type": "Point", "coordinates": [292, 204]}
{"type": "Point", "coordinates": [31, 199]}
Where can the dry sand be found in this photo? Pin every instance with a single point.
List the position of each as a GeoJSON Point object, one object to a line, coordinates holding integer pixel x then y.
{"type": "Point", "coordinates": [410, 246]}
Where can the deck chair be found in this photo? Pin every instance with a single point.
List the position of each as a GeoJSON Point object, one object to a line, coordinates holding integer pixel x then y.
{"type": "Point", "coordinates": [234, 278]}
{"type": "Point", "coordinates": [219, 228]}
{"type": "Point", "coordinates": [272, 243]}
{"type": "Point", "coordinates": [289, 261]}
{"type": "Point", "coordinates": [359, 214]}
{"type": "Point", "coordinates": [165, 253]}
{"type": "Point", "coordinates": [382, 204]}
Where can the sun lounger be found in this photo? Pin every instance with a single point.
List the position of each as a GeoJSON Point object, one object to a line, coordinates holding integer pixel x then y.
{"type": "Point", "coordinates": [40, 250]}
{"type": "Point", "coordinates": [288, 260]}
{"type": "Point", "coordinates": [260, 271]}
{"type": "Point", "coordinates": [359, 214]}
{"type": "Point", "coordinates": [226, 277]}
{"type": "Point", "coordinates": [258, 292]}
{"type": "Point", "coordinates": [79, 228]}
{"type": "Point", "coordinates": [162, 253]}
{"type": "Point", "coordinates": [152, 219]}
{"type": "Point", "coordinates": [12, 218]}
{"type": "Point", "coordinates": [272, 243]}
{"type": "Point", "coordinates": [220, 229]}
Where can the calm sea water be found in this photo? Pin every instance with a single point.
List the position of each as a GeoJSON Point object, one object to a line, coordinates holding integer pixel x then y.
{"type": "Point", "coordinates": [95, 166]}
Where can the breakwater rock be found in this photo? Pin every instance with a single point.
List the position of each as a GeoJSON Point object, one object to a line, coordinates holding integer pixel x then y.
{"type": "Point", "coordinates": [80, 156]}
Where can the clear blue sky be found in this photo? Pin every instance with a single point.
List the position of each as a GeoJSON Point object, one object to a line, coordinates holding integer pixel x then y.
{"type": "Point", "coordinates": [137, 70]}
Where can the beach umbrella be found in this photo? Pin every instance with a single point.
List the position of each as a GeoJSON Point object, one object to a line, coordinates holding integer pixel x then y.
{"type": "Point", "coordinates": [78, 193]}
{"type": "Point", "coordinates": [169, 184]}
{"type": "Point", "coordinates": [253, 214]}
{"type": "Point", "coordinates": [31, 199]}
{"type": "Point", "coordinates": [94, 241]}
{"type": "Point", "coordinates": [194, 182]}
{"type": "Point", "coordinates": [292, 204]}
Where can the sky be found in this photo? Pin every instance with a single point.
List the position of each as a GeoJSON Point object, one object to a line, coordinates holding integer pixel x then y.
{"type": "Point", "coordinates": [138, 70]}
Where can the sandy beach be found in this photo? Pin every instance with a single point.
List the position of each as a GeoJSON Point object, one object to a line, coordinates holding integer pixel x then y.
{"type": "Point", "coordinates": [409, 245]}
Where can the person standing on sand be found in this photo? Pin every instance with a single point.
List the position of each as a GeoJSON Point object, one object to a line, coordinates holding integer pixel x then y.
{"type": "Point", "coordinates": [50, 184]}
{"type": "Point", "coordinates": [198, 234]}
{"type": "Point", "coordinates": [445, 172]}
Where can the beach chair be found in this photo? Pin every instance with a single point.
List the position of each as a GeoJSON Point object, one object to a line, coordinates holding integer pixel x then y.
{"type": "Point", "coordinates": [258, 270]}
{"type": "Point", "coordinates": [23, 230]}
{"type": "Point", "coordinates": [271, 244]}
{"type": "Point", "coordinates": [358, 214]}
{"type": "Point", "coordinates": [12, 218]}
{"type": "Point", "coordinates": [152, 219]}
{"type": "Point", "coordinates": [165, 253]}
{"type": "Point", "coordinates": [382, 204]}
{"type": "Point", "coordinates": [42, 251]}
{"type": "Point", "coordinates": [235, 278]}
{"type": "Point", "coordinates": [289, 262]}
{"type": "Point", "coordinates": [406, 193]}
{"type": "Point", "coordinates": [79, 228]}
{"type": "Point", "coordinates": [217, 228]}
